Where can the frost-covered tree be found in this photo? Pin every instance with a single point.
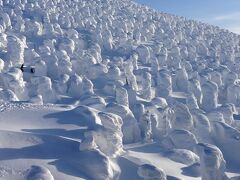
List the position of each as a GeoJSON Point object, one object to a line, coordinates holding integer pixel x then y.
{"type": "Point", "coordinates": [122, 96]}
{"type": "Point", "coordinates": [164, 84]}
{"type": "Point", "coordinates": [210, 96]}
{"type": "Point", "coordinates": [212, 163]}
{"type": "Point", "coordinates": [147, 86]}
{"type": "Point", "coordinates": [15, 50]}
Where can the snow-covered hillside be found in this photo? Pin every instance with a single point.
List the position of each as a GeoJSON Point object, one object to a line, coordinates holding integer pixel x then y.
{"type": "Point", "coordinates": [110, 89]}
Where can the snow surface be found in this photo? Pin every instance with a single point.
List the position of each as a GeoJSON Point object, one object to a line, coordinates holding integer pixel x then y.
{"type": "Point", "coordinates": [110, 89]}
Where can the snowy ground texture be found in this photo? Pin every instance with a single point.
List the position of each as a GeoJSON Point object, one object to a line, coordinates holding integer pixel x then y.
{"type": "Point", "coordinates": [111, 89]}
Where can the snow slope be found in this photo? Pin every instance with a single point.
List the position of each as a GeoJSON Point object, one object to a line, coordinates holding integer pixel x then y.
{"type": "Point", "coordinates": [110, 89]}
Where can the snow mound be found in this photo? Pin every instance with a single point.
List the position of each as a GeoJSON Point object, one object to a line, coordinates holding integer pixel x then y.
{"type": "Point", "coordinates": [95, 165]}
{"type": "Point", "coordinates": [147, 172]}
{"type": "Point", "coordinates": [8, 95]}
{"type": "Point", "coordinates": [107, 138]}
{"type": "Point", "coordinates": [88, 115]}
{"type": "Point", "coordinates": [180, 139]}
{"type": "Point", "coordinates": [183, 156]}
{"type": "Point", "coordinates": [39, 173]}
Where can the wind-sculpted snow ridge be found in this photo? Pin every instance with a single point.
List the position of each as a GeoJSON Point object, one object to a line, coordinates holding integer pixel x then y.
{"type": "Point", "coordinates": [122, 73]}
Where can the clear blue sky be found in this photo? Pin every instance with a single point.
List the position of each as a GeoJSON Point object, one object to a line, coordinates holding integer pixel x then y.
{"type": "Point", "coordinates": [223, 13]}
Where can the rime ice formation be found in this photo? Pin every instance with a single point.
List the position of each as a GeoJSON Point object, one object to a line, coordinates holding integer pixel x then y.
{"type": "Point", "coordinates": [43, 86]}
{"type": "Point", "coordinates": [122, 96]}
{"type": "Point", "coordinates": [212, 162]}
{"type": "Point", "coordinates": [145, 126]}
{"type": "Point", "coordinates": [15, 50]}
{"type": "Point", "coordinates": [146, 86]}
{"type": "Point", "coordinates": [194, 87]}
{"type": "Point", "coordinates": [130, 128]}
{"type": "Point", "coordinates": [107, 138]}
{"type": "Point", "coordinates": [143, 54]}
{"type": "Point", "coordinates": [210, 96]}
{"type": "Point", "coordinates": [202, 127]}
{"type": "Point", "coordinates": [13, 80]}
{"type": "Point", "coordinates": [122, 75]}
{"type": "Point", "coordinates": [183, 118]}
{"type": "Point", "coordinates": [8, 95]}
{"type": "Point", "coordinates": [130, 77]}
{"type": "Point", "coordinates": [164, 84]}
{"type": "Point", "coordinates": [181, 80]}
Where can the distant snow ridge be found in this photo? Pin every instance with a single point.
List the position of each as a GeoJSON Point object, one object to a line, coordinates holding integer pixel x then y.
{"type": "Point", "coordinates": [137, 74]}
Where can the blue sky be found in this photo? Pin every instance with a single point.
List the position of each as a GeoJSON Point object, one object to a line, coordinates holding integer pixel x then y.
{"type": "Point", "coordinates": [223, 13]}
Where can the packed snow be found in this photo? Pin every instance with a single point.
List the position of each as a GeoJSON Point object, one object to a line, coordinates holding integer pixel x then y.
{"type": "Point", "coordinates": [111, 89]}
